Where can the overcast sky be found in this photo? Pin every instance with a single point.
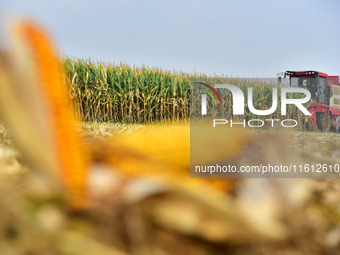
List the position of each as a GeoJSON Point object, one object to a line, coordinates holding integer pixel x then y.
{"type": "Point", "coordinates": [245, 38]}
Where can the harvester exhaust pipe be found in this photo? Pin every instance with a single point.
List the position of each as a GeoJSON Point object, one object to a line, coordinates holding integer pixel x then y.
{"type": "Point", "coordinates": [280, 77]}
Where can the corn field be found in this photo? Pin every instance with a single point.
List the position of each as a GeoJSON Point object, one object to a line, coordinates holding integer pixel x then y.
{"type": "Point", "coordinates": [121, 93]}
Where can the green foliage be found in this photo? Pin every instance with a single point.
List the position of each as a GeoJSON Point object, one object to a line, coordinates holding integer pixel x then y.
{"type": "Point", "coordinates": [121, 93]}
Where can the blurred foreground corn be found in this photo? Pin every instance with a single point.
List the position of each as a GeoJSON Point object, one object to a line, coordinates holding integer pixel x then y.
{"type": "Point", "coordinates": [36, 109]}
{"type": "Point", "coordinates": [184, 216]}
{"type": "Point", "coordinates": [35, 53]}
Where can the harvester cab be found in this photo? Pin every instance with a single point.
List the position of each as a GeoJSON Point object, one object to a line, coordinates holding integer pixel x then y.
{"type": "Point", "coordinates": [315, 82]}
{"type": "Point", "coordinates": [325, 96]}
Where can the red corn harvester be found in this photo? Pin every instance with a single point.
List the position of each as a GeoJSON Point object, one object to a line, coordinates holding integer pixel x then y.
{"type": "Point", "coordinates": [325, 96]}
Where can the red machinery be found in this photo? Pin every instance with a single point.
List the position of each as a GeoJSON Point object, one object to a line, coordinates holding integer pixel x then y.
{"type": "Point", "coordinates": [325, 96]}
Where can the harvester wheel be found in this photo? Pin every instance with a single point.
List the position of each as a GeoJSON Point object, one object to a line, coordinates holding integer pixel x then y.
{"type": "Point", "coordinates": [324, 122]}
{"type": "Point", "coordinates": [310, 126]}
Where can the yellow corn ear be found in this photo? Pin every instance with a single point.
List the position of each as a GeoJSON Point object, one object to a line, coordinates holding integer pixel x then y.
{"type": "Point", "coordinates": [71, 156]}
